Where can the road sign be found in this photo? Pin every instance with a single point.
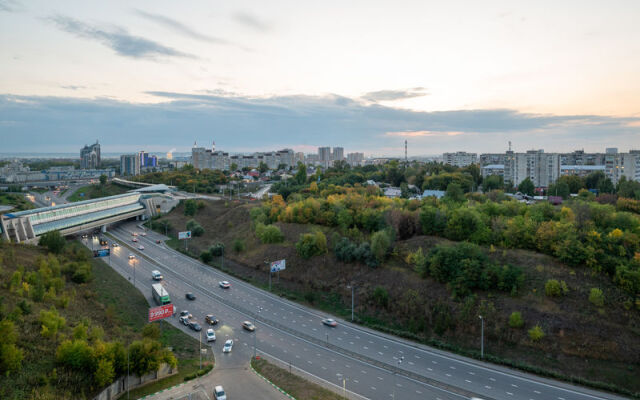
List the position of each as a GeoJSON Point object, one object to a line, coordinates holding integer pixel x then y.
{"type": "Point", "coordinates": [101, 253]}
{"type": "Point", "coordinates": [279, 265]}
{"type": "Point", "coordinates": [156, 313]}
{"type": "Point", "coordinates": [184, 235]}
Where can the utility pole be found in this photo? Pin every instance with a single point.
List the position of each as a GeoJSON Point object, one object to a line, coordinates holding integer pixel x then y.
{"type": "Point", "coordinates": [481, 336]}
{"type": "Point", "coordinates": [395, 377]}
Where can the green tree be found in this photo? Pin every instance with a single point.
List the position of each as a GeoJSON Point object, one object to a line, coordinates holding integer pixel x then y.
{"type": "Point", "coordinates": [105, 373]}
{"type": "Point", "coordinates": [301, 175]}
{"type": "Point", "coordinates": [51, 322]}
{"type": "Point", "coordinates": [493, 182]}
{"type": "Point", "coordinates": [263, 167]}
{"type": "Point", "coordinates": [527, 187]}
{"type": "Point", "coordinates": [151, 331]}
{"type": "Point", "coordinates": [206, 257]}
{"type": "Point", "coordinates": [574, 182]}
{"type": "Point", "coordinates": [269, 233]}
{"type": "Point", "coordinates": [234, 167]}
{"type": "Point", "coordinates": [380, 296]}
{"type": "Point", "coordinates": [311, 244]}
{"type": "Point", "coordinates": [536, 333]}
{"type": "Point", "coordinates": [190, 207]}
{"type": "Point", "coordinates": [596, 297]}
{"type": "Point", "coordinates": [53, 241]}
{"type": "Point", "coordinates": [515, 320]}
{"type": "Point", "coordinates": [555, 288]}
{"type": "Point", "coordinates": [11, 357]}
{"type": "Point", "coordinates": [76, 355]}
{"type": "Point", "coordinates": [454, 193]}
{"type": "Point", "coordinates": [238, 245]}
{"type": "Point", "coordinates": [380, 245]}
{"type": "Point", "coordinates": [103, 179]}
{"type": "Point", "coordinates": [559, 189]}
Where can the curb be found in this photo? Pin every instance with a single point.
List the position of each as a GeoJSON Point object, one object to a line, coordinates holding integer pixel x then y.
{"type": "Point", "coordinates": [174, 386]}
{"type": "Point", "coordinates": [271, 383]}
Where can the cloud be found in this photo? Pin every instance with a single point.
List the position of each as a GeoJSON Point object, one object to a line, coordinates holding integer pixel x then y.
{"type": "Point", "coordinates": [179, 27]}
{"type": "Point", "coordinates": [251, 21]}
{"type": "Point", "coordinates": [9, 5]}
{"type": "Point", "coordinates": [118, 39]}
{"type": "Point", "coordinates": [238, 123]}
{"type": "Point", "coordinates": [72, 87]}
{"type": "Point", "coordinates": [390, 95]}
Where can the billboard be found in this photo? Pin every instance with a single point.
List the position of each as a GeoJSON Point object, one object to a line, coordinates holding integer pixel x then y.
{"type": "Point", "coordinates": [184, 235]}
{"type": "Point", "coordinates": [101, 253]}
{"type": "Point", "coordinates": [279, 265]}
{"type": "Point", "coordinates": [156, 313]}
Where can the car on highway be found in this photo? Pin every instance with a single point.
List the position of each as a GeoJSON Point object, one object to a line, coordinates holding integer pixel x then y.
{"type": "Point", "coordinates": [211, 320]}
{"type": "Point", "coordinates": [330, 322]}
{"type": "Point", "coordinates": [184, 320]}
{"type": "Point", "coordinates": [134, 240]}
{"type": "Point", "coordinates": [228, 345]}
{"type": "Point", "coordinates": [185, 313]}
{"type": "Point", "coordinates": [143, 234]}
{"type": "Point", "coordinates": [211, 335]}
{"type": "Point", "coordinates": [132, 256]}
{"type": "Point", "coordinates": [134, 234]}
{"type": "Point", "coordinates": [248, 326]}
{"type": "Point", "coordinates": [219, 394]}
{"type": "Point", "coordinates": [141, 247]}
{"type": "Point", "coordinates": [158, 241]}
{"type": "Point", "coordinates": [114, 244]}
{"type": "Point", "coordinates": [224, 284]}
{"type": "Point", "coordinates": [190, 296]}
{"type": "Point", "coordinates": [156, 275]}
{"type": "Point", "coordinates": [195, 326]}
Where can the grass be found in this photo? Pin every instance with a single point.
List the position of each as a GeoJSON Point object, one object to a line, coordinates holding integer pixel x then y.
{"type": "Point", "coordinates": [17, 200]}
{"type": "Point", "coordinates": [97, 191]}
{"type": "Point", "coordinates": [296, 386]}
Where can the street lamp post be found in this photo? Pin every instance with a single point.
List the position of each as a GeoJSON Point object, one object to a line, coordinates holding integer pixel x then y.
{"type": "Point", "coordinates": [255, 317]}
{"type": "Point", "coordinates": [352, 287]}
{"type": "Point", "coordinates": [481, 336]}
{"type": "Point", "coordinates": [395, 377]}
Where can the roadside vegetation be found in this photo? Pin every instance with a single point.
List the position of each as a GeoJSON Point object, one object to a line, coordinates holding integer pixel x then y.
{"type": "Point", "coordinates": [96, 191]}
{"type": "Point", "coordinates": [67, 321]}
{"type": "Point", "coordinates": [18, 201]}
{"type": "Point", "coordinates": [558, 286]}
{"type": "Point", "coordinates": [297, 387]}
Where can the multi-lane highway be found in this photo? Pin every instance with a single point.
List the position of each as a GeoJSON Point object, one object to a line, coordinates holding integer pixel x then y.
{"type": "Point", "coordinates": [369, 364]}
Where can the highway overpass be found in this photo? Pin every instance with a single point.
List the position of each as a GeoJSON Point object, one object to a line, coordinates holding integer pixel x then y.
{"type": "Point", "coordinates": [27, 226]}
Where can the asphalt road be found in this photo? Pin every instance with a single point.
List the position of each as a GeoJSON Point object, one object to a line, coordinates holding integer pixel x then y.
{"type": "Point", "coordinates": [373, 365]}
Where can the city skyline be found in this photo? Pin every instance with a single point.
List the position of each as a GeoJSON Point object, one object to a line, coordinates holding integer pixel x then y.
{"type": "Point", "coordinates": [464, 75]}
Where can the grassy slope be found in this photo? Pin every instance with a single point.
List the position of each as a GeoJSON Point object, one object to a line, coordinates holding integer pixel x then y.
{"type": "Point", "coordinates": [582, 341]}
{"type": "Point", "coordinates": [97, 191]}
{"type": "Point", "coordinates": [299, 388]}
{"type": "Point", "coordinates": [16, 200]}
{"type": "Point", "coordinates": [107, 301]}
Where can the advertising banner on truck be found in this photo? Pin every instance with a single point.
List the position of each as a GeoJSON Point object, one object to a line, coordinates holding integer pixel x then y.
{"type": "Point", "coordinates": [101, 253]}
{"type": "Point", "coordinates": [156, 313]}
{"type": "Point", "coordinates": [279, 265]}
{"type": "Point", "coordinates": [184, 235]}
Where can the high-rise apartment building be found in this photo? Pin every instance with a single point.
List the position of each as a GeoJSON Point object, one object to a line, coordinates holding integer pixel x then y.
{"type": "Point", "coordinates": [337, 154]}
{"type": "Point", "coordinates": [147, 160]}
{"type": "Point", "coordinates": [324, 156]}
{"type": "Point", "coordinates": [355, 159]}
{"type": "Point", "coordinates": [542, 168]}
{"type": "Point", "coordinates": [90, 156]}
{"type": "Point", "coordinates": [130, 164]}
{"type": "Point", "coordinates": [492, 159]}
{"type": "Point", "coordinates": [460, 158]}
{"type": "Point", "coordinates": [203, 158]}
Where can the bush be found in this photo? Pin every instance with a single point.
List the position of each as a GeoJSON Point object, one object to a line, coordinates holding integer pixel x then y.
{"type": "Point", "coordinates": [536, 333]}
{"type": "Point", "coordinates": [380, 296]}
{"type": "Point", "coordinates": [216, 250]}
{"type": "Point", "coordinates": [206, 257]}
{"type": "Point", "coordinates": [269, 233]}
{"type": "Point", "coordinates": [596, 297]}
{"type": "Point", "coordinates": [53, 241]}
{"type": "Point", "coordinates": [555, 288]}
{"type": "Point", "coordinates": [190, 207]}
{"type": "Point", "coordinates": [380, 245]}
{"type": "Point", "coordinates": [239, 245]}
{"type": "Point", "coordinates": [311, 244]}
{"type": "Point", "coordinates": [195, 228]}
{"type": "Point", "coordinates": [515, 320]}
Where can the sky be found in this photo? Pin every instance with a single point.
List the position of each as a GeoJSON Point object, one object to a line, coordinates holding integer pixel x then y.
{"type": "Point", "coordinates": [364, 75]}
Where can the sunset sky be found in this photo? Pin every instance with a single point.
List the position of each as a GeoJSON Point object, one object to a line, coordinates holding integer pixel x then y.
{"type": "Point", "coordinates": [365, 75]}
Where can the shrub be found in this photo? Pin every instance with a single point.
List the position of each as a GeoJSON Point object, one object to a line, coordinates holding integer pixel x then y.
{"type": "Point", "coordinates": [380, 245]}
{"type": "Point", "coordinates": [596, 297]}
{"type": "Point", "coordinates": [269, 233]}
{"type": "Point", "coordinates": [515, 320]}
{"type": "Point", "coordinates": [239, 245]}
{"type": "Point", "coordinates": [536, 333]}
{"type": "Point", "coordinates": [206, 257]}
{"type": "Point", "coordinates": [195, 228]}
{"type": "Point", "coordinates": [311, 244]}
{"type": "Point", "coordinates": [190, 207]}
{"type": "Point", "coordinates": [380, 296]}
{"type": "Point", "coordinates": [555, 288]}
{"type": "Point", "coordinates": [216, 250]}
{"type": "Point", "coordinates": [53, 241]}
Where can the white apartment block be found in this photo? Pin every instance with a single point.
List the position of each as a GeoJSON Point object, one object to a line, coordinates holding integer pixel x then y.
{"type": "Point", "coordinates": [542, 168]}
{"type": "Point", "coordinates": [203, 158]}
{"type": "Point", "coordinates": [617, 165]}
{"type": "Point", "coordinates": [337, 154]}
{"type": "Point", "coordinates": [355, 159]}
{"type": "Point", "coordinates": [460, 158]}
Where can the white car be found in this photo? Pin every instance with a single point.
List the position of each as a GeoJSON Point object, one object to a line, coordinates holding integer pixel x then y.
{"type": "Point", "coordinates": [132, 256]}
{"type": "Point", "coordinates": [228, 345]}
{"type": "Point", "coordinates": [219, 394]}
{"type": "Point", "coordinates": [211, 335]}
{"type": "Point", "coordinates": [141, 247]}
{"type": "Point", "coordinates": [224, 284]}
{"type": "Point", "coordinates": [143, 234]}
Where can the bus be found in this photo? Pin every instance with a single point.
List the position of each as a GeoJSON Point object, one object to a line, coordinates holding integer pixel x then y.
{"type": "Point", "coordinates": [160, 294]}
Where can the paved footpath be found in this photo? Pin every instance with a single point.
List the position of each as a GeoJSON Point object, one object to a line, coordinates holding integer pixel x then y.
{"type": "Point", "coordinates": [239, 383]}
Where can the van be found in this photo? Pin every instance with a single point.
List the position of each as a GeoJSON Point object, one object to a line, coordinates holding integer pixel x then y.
{"type": "Point", "coordinates": [157, 276]}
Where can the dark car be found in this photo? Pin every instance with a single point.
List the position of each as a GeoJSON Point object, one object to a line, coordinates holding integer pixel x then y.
{"type": "Point", "coordinates": [190, 296]}
{"type": "Point", "coordinates": [211, 320]}
{"type": "Point", "coordinates": [195, 326]}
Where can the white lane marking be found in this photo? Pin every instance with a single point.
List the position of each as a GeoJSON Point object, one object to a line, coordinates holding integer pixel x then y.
{"type": "Point", "coordinates": [510, 394]}
{"type": "Point", "coordinates": [536, 392]}
{"type": "Point", "coordinates": [468, 381]}
{"type": "Point", "coordinates": [449, 375]}
{"type": "Point", "coordinates": [419, 392]}
{"type": "Point", "coordinates": [488, 387]}
{"type": "Point", "coordinates": [492, 379]}
{"type": "Point", "coordinates": [373, 387]}
{"type": "Point", "coordinates": [515, 386]}
{"type": "Point", "coordinates": [472, 373]}
{"type": "Point", "coordinates": [430, 369]}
